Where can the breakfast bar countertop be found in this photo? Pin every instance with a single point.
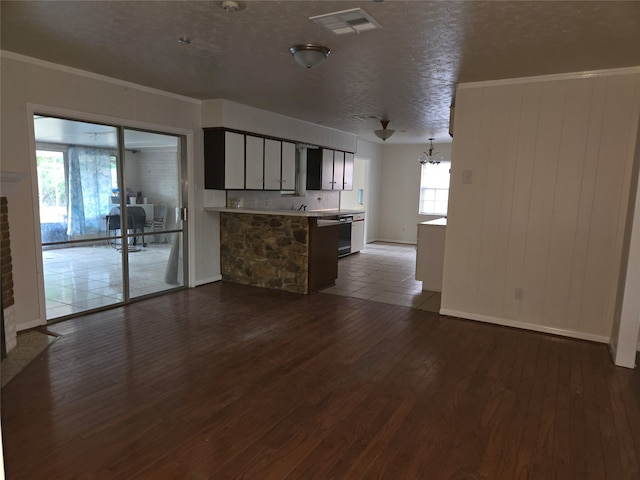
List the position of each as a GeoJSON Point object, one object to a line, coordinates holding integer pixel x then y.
{"type": "Point", "coordinates": [293, 213]}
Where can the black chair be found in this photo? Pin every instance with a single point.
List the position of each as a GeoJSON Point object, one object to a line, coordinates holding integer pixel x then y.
{"type": "Point", "coordinates": [136, 219]}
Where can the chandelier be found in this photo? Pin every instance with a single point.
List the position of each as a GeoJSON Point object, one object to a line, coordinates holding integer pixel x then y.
{"type": "Point", "coordinates": [428, 156]}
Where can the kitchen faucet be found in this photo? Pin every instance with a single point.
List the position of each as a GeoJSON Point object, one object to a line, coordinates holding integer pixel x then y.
{"type": "Point", "coordinates": [302, 207]}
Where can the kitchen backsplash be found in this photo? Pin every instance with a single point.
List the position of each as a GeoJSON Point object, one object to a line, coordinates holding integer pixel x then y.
{"type": "Point", "coordinates": [314, 200]}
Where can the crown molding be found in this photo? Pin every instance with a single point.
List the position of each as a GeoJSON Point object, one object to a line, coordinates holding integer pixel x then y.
{"type": "Point", "coordinates": [552, 77]}
{"type": "Point", "coordinates": [95, 76]}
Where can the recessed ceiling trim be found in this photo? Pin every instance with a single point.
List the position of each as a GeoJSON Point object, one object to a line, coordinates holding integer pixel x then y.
{"type": "Point", "coordinates": [354, 20]}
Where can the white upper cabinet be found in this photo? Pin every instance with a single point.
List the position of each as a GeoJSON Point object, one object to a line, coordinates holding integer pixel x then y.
{"type": "Point", "coordinates": [329, 170]}
{"type": "Point", "coordinates": [233, 160]}
{"type": "Point", "coordinates": [326, 179]}
{"type": "Point", "coordinates": [338, 170]}
{"type": "Point", "coordinates": [254, 177]}
{"type": "Point", "coordinates": [348, 171]}
{"type": "Point", "coordinates": [272, 164]}
{"type": "Point", "coordinates": [244, 161]}
{"type": "Point", "coordinates": [288, 166]}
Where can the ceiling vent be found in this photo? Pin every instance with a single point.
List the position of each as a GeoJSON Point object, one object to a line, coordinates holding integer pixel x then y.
{"type": "Point", "coordinates": [366, 116]}
{"type": "Point", "coordinates": [346, 21]}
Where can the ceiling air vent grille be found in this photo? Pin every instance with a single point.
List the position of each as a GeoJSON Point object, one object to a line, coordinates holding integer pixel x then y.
{"type": "Point", "coordinates": [366, 116]}
{"type": "Point", "coordinates": [346, 21]}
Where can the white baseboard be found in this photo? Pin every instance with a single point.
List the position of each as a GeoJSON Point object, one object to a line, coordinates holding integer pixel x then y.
{"type": "Point", "coordinates": [526, 326]}
{"type": "Point", "coordinates": [30, 324]}
{"type": "Point", "coordinates": [204, 281]}
{"type": "Point", "coordinates": [620, 362]}
{"type": "Point", "coordinates": [406, 242]}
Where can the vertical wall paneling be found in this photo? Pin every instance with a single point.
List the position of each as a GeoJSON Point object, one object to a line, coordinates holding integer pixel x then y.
{"type": "Point", "coordinates": [581, 236]}
{"type": "Point", "coordinates": [489, 233]}
{"type": "Point", "coordinates": [461, 200]}
{"type": "Point", "coordinates": [609, 205]}
{"type": "Point", "coordinates": [551, 162]}
{"type": "Point", "coordinates": [522, 147]}
{"type": "Point", "coordinates": [541, 205]}
{"type": "Point", "coordinates": [625, 334]}
{"type": "Point", "coordinates": [568, 182]}
{"type": "Point", "coordinates": [503, 293]}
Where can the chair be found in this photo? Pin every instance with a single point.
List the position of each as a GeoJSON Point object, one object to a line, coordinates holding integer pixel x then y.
{"type": "Point", "coordinates": [159, 222]}
{"type": "Point", "coordinates": [113, 225]}
{"type": "Point", "coordinates": [136, 222]}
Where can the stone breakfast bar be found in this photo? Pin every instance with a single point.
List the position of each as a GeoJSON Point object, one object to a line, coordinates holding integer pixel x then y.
{"type": "Point", "coordinates": [296, 251]}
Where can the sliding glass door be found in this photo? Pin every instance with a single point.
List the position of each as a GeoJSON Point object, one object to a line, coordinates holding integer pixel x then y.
{"type": "Point", "coordinates": [152, 171]}
{"type": "Point", "coordinates": [110, 203]}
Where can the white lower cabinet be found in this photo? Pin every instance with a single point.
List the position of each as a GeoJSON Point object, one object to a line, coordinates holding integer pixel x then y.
{"type": "Point", "coordinates": [430, 254]}
{"type": "Point", "coordinates": [357, 234]}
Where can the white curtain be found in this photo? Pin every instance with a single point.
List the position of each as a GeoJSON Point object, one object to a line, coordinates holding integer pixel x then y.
{"type": "Point", "coordinates": [89, 189]}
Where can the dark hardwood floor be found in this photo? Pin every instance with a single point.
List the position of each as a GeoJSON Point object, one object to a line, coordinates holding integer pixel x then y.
{"type": "Point", "coordinates": [226, 381]}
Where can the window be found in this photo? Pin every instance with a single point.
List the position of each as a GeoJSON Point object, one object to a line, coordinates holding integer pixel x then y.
{"type": "Point", "coordinates": [114, 173]}
{"type": "Point", "coordinates": [434, 188]}
{"type": "Point", "coordinates": [52, 186]}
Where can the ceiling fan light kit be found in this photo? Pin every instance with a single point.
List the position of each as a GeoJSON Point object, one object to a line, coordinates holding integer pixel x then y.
{"type": "Point", "coordinates": [309, 55]}
{"type": "Point", "coordinates": [384, 133]}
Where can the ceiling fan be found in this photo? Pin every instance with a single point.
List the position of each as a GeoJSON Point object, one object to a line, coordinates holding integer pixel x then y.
{"type": "Point", "coordinates": [428, 156]}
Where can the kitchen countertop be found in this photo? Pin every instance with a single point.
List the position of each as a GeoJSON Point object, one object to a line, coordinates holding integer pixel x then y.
{"type": "Point", "coordinates": [293, 213]}
{"type": "Point", "coordinates": [439, 222]}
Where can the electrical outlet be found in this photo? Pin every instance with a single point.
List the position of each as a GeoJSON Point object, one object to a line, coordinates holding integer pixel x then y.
{"type": "Point", "coordinates": [519, 294]}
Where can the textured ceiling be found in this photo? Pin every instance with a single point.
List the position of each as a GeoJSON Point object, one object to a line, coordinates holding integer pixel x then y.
{"type": "Point", "coordinates": [406, 71]}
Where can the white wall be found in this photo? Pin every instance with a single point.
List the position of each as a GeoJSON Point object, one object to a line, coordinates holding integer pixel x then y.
{"type": "Point", "coordinates": [373, 152]}
{"type": "Point", "coordinates": [551, 161]}
{"type": "Point", "coordinates": [59, 90]}
{"type": "Point", "coordinates": [224, 113]}
{"type": "Point", "coordinates": [157, 175]}
{"type": "Point", "coordinates": [625, 334]}
{"type": "Point", "coordinates": [400, 191]}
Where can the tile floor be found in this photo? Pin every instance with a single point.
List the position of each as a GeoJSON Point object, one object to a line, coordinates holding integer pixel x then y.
{"type": "Point", "coordinates": [83, 278]}
{"type": "Point", "coordinates": [384, 272]}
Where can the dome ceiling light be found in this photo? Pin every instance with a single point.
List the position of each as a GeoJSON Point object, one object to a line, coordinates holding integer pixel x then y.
{"type": "Point", "coordinates": [230, 6]}
{"type": "Point", "coordinates": [309, 55]}
{"type": "Point", "coordinates": [384, 133]}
